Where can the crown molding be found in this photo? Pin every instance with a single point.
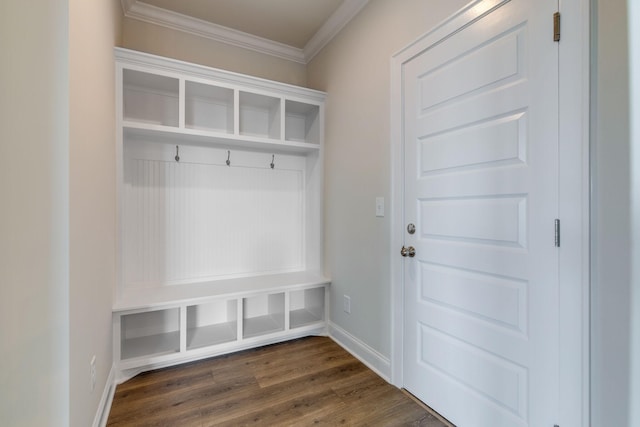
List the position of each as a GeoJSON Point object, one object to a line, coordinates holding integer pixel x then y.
{"type": "Point", "coordinates": [135, 9]}
{"type": "Point", "coordinates": [126, 5]}
{"type": "Point", "coordinates": [336, 22]}
{"type": "Point", "coordinates": [177, 21]}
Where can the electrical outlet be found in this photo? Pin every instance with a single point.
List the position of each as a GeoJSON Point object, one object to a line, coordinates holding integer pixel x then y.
{"type": "Point", "coordinates": [92, 372]}
{"type": "Point", "coordinates": [347, 304]}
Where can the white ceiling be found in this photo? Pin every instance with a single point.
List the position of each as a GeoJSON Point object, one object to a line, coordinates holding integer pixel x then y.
{"type": "Point", "coordinates": [291, 29]}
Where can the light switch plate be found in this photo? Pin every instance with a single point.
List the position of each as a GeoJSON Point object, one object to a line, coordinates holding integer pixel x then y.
{"type": "Point", "coordinates": [380, 206]}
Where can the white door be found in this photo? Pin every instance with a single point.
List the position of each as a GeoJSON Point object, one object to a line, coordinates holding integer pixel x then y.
{"type": "Point", "coordinates": [481, 186]}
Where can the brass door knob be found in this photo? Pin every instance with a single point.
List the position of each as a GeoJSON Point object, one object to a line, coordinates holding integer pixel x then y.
{"type": "Point", "coordinates": [410, 251]}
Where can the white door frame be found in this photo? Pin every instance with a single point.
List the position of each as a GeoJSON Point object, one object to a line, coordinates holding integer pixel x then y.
{"type": "Point", "coordinates": [573, 193]}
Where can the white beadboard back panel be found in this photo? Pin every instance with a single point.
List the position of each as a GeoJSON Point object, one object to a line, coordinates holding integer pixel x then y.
{"type": "Point", "coordinates": [197, 219]}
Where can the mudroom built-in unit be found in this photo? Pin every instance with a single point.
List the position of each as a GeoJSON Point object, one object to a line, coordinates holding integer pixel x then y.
{"type": "Point", "coordinates": [219, 187]}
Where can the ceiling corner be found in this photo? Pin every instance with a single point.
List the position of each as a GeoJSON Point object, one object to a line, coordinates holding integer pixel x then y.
{"type": "Point", "coordinates": [127, 5]}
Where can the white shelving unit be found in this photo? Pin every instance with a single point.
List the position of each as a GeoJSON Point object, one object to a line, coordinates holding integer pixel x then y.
{"type": "Point", "coordinates": [219, 212]}
{"type": "Point", "coordinates": [206, 321]}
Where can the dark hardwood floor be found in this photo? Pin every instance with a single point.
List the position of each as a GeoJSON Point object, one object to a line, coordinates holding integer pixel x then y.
{"type": "Point", "coordinates": [310, 381]}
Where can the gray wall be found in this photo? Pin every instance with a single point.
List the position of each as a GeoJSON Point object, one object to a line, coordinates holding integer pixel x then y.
{"type": "Point", "coordinates": [34, 238]}
{"type": "Point", "coordinates": [611, 217]}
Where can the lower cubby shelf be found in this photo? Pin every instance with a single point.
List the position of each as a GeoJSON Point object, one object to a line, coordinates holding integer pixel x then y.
{"type": "Point", "coordinates": [263, 314]}
{"type": "Point", "coordinates": [261, 325]}
{"type": "Point", "coordinates": [303, 317]}
{"type": "Point", "coordinates": [172, 332]}
{"type": "Point", "coordinates": [150, 333]}
{"type": "Point", "coordinates": [205, 336]}
{"type": "Point", "coordinates": [306, 307]}
{"type": "Point", "coordinates": [151, 345]}
{"type": "Point", "coordinates": [212, 323]}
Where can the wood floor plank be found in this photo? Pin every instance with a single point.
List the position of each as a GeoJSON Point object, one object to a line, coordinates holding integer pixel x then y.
{"type": "Point", "coordinates": [163, 386]}
{"type": "Point", "coordinates": [299, 367]}
{"type": "Point", "coordinates": [238, 405]}
{"type": "Point", "coordinates": [309, 381]}
{"type": "Point", "coordinates": [291, 410]}
{"type": "Point", "coordinates": [187, 400]}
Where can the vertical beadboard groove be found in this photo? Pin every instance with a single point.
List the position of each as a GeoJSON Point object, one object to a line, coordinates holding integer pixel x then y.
{"type": "Point", "coordinates": [171, 269]}
{"type": "Point", "coordinates": [189, 222]}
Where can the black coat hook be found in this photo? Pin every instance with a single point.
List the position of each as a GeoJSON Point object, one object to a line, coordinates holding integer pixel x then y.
{"type": "Point", "coordinates": [273, 157]}
{"type": "Point", "coordinates": [177, 154]}
{"type": "Point", "coordinates": [228, 158]}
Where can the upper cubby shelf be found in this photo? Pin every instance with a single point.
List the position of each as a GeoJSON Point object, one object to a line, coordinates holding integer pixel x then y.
{"type": "Point", "coordinates": [208, 107]}
{"type": "Point", "coordinates": [150, 98]}
{"type": "Point", "coordinates": [302, 122]}
{"type": "Point", "coordinates": [188, 103]}
{"type": "Point", "coordinates": [260, 116]}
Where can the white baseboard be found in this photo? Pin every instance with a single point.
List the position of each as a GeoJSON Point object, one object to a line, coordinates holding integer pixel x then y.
{"type": "Point", "coordinates": [102, 415]}
{"type": "Point", "coordinates": [361, 351]}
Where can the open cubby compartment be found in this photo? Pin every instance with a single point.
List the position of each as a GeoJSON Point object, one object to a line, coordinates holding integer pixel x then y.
{"type": "Point", "coordinates": [212, 323]}
{"type": "Point", "coordinates": [151, 333]}
{"type": "Point", "coordinates": [260, 115]}
{"type": "Point", "coordinates": [302, 122]}
{"type": "Point", "coordinates": [150, 98]}
{"type": "Point", "coordinates": [306, 307]}
{"type": "Point", "coordinates": [208, 107]}
{"type": "Point", "coordinates": [263, 314]}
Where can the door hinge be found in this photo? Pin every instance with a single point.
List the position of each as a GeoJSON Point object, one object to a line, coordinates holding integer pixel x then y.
{"type": "Point", "coordinates": [556, 27]}
{"type": "Point", "coordinates": [557, 233]}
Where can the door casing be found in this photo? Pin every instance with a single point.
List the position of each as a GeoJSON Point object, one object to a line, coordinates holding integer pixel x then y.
{"type": "Point", "coordinates": [574, 51]}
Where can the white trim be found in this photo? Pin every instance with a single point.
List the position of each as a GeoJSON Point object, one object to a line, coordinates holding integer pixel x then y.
{"type": "Point", "coordinates": [361, 351]}
{"type": "Point", "coordinates": [574, 203]}
{"type": "Point", "coordinates": [336, 22]}
{"type": "Point", "coordinates": [144, 12]}
{"type": "Point", "coordinates": [102, 415]}
{"type": "Point", "coordinates": [634, 95]}
{"type": "Point", "coordinates": [574, 198]}
{"type": "Point", "coordinates": [177, 21]}
{"type": "Point", "coordinates": [126, 5]}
